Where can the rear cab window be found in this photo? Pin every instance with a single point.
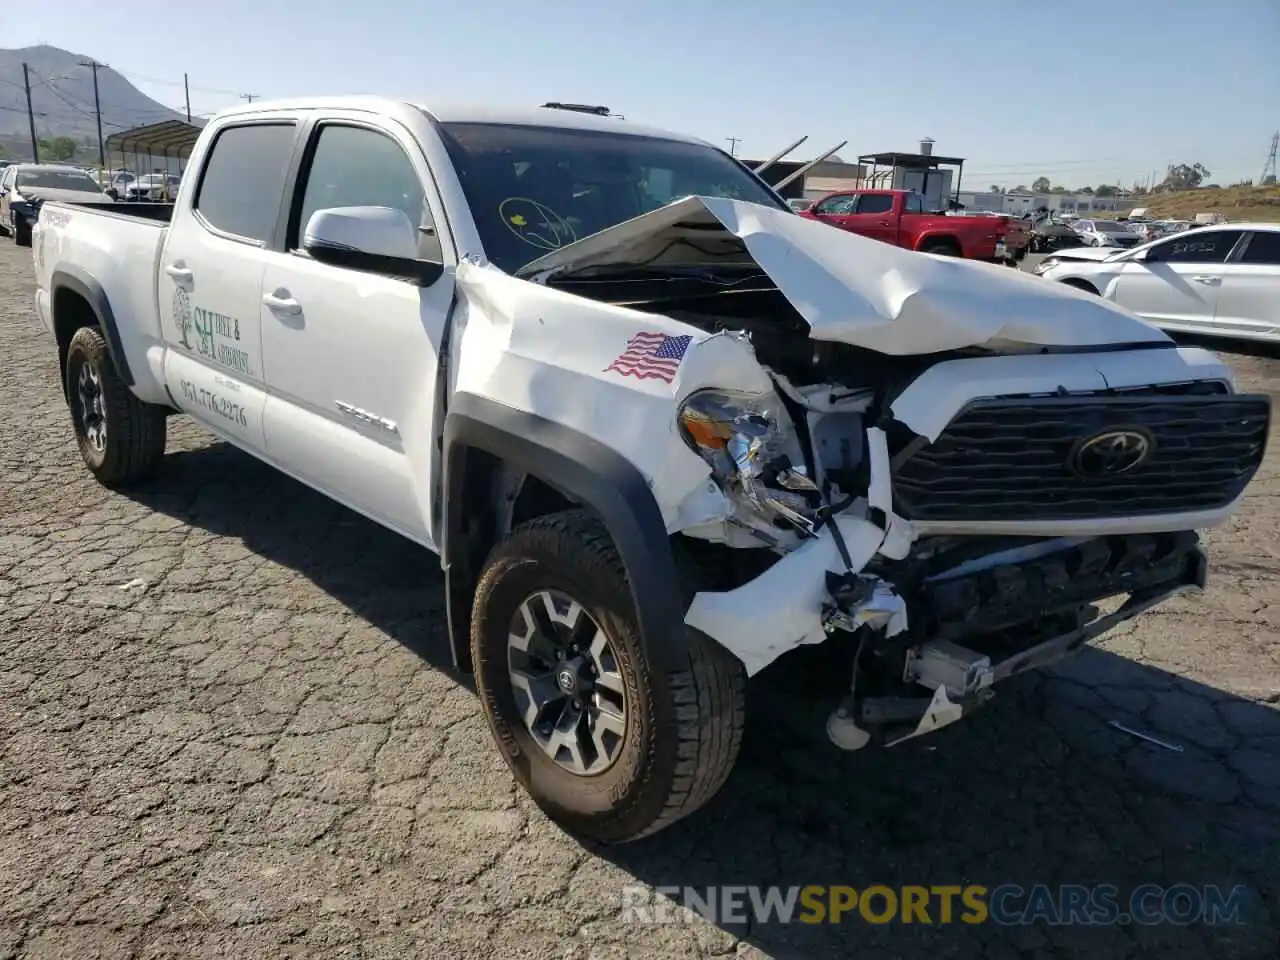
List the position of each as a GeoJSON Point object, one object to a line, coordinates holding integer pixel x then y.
{"type": "Point", "coordinates": [242, 183]}
{"type": "Point", "coordinates": [1263, 248]}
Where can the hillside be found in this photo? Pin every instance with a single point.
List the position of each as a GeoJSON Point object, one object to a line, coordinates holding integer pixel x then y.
{"type": "Point", "coordinates": [1235, 203]}
{"type": "Point", "coordinates": [62, 98]}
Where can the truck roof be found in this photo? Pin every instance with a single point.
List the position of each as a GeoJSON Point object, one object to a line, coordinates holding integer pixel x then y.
{"type": "Point", "coordinates": [447, 112]}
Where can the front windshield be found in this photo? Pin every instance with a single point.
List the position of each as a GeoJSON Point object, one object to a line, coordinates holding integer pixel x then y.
{"type": "Point", "coordinates": [58, 180]}
{"type": "Point", "coordinates": [536, 189]}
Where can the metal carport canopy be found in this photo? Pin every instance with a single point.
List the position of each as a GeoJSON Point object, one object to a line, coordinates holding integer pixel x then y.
{"type": "Point", "coordinates": [172, 138]}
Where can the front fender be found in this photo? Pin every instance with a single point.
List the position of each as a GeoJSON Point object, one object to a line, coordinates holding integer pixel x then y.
{"type": "Point", "coordinates": [583, 470]}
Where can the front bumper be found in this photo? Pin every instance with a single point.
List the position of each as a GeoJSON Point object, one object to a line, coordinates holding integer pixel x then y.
{"type": "Point", "coordinates": [789, 604]}
{"type": "Point", "coordinates": [963, 678]}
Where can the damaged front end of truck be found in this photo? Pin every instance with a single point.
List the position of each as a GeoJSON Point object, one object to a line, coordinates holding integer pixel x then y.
{"type": "Point", "coordinates": [958, 472]}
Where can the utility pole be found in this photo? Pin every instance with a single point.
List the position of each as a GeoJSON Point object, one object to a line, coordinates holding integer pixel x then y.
{"type": "Point", "coordinates": [250, 97]}
{"type": "Point", "coordinates": [31, 116]}
{"type": "Point", "coordinates": [97, 109]}
{"type": "Point", "coordinates": [733, 145]}
{"type": "Point", "coordinates": [186, 89]}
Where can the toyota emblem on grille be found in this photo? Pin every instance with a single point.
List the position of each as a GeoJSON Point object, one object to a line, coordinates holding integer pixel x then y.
{"type": "Point", "coordinates": [1112, 452]}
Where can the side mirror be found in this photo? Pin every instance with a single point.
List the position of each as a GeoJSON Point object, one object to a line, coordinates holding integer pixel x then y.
{"type": "Point", "coordinates": [372, 239]}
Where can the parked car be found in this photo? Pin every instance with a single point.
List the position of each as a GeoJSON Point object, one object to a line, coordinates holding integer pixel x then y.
{"type": "Point", "coordinates": [25, 186]}
{"type": "Point", "coordinates": [1223, 281]}
{"type": "Point", "coordinates": [660, 428]}
{"type": "Point", "coordinates": [152, 186]}
{"type": "Point", "coordinates": [1051, 232]}
{"type": "Point", "coordinates": [1104, 233]}
{"type": "Point", "coordinates": [898, 217]}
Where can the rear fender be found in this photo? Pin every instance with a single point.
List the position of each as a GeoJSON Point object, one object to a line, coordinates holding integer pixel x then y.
{"type": "Point", "coordinates": [71, 290]}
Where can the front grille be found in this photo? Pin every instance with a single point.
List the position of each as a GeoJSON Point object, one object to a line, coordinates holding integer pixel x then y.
{"type": "Point", "coordinates": [1012, 459]}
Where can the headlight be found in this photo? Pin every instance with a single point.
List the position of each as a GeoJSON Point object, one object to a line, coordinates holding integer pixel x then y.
{"type": "Point", "coordinates": [1046, 264]}
{"type": "Point", "coordinates": [745, 438]}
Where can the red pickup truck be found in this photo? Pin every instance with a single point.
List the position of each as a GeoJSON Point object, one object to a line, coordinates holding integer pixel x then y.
{"type": "Point", "coordinates": [899, 217]}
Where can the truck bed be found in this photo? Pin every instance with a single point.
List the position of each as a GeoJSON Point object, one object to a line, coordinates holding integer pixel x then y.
{"type": "Point", "coordinates": [160, 212]}
{"type": "Point", "coordinates": [116, 246]}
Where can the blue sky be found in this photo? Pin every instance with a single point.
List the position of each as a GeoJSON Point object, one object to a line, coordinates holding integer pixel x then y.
{"type": "Point", "coordinates": [1082, 92]}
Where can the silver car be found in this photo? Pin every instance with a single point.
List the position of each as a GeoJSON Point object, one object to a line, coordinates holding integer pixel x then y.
{"type": "Point", "coordinates": [1105, 233]}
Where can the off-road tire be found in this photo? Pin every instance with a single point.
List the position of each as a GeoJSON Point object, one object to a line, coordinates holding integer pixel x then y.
{"type": "Point", "coordinates": [135, 431]}
{"type": "Point", "coordinates": [683, 728]}
{"type": "Point", "coordinates": [22, 232]}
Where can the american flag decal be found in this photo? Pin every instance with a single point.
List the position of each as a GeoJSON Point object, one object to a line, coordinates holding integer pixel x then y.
{"type": "Point", "coordinates": [651, 356]}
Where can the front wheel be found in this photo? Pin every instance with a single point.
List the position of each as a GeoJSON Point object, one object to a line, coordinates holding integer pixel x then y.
{"type": "Point", "coordinates": [21, 231]}
{"type": "Point", "coordinates": [606, 746]}
{"type": "Point", "coordinates": [120, 438]}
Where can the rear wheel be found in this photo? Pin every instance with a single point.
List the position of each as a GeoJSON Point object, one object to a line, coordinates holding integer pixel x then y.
{"type": "Point", "coordinates": [943, 248]}
{"type": "Point", "coordinates": [120, 438]}
{"type": "Point", "coordinates": [609, 748]}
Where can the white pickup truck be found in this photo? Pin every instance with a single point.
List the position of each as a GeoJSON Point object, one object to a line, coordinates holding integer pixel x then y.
{"type": "Point", "coordinates": [660, 429]}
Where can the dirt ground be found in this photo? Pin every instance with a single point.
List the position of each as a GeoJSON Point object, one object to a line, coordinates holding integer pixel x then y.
{"type": "Point", "coordinates": [229, 728]}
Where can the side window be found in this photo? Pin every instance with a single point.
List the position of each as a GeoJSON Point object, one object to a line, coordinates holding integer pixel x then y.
{"type": "Point", "coordinates": [243, 179]}
{"type": "Point", "coordinates": [837, 205]}
{"type": "Point", "coordinates": [1264, 248]}
{"type": "Point", "coordinates": [875, 203]}
{"type": "Point", "coordinates": [1210, 247]}
{"type": "Point", "coordinates": [914, 203]}
{"type": "Point", "coordinates": [358, 167]}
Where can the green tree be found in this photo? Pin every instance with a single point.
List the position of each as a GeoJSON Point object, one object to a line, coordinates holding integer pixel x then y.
{"type": "Point", "coordinates": [1184, 176]}
{"type": "Point", "coordinates": [1041, 185]}
{"type": "Point", "coordinates": [58, 148]}
{"type": "Point", "coordinates": [1106, 190]}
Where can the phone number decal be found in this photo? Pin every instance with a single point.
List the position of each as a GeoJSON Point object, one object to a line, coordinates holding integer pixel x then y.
{"type": "Point", "coordinates": [229, 410]}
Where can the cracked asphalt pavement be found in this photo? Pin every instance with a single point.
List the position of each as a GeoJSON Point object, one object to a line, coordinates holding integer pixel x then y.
{"type": "Point", "coordinates": [229, 728]}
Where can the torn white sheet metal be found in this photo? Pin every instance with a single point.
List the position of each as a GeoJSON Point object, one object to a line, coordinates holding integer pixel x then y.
{"type": "Point", "coordinates": [940, 713]}
{"type": "Point", "coordinates": [854, 290]}
{"type": "Point", "coordinates": [782, 608]}
{"type": "Point", "coordinates": [547, 352]}
{"type": "Point", "coordinates": [935, 397]}
{"type": "Point", "coordinates": [898, 535]}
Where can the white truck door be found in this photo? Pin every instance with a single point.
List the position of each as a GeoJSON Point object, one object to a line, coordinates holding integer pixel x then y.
{"type": "Point", "coordinates": [1249, 302]}
{"type": "Point", "coordinates": [210, 283]}
{"type": "Point", "coordinates": [351, 356]}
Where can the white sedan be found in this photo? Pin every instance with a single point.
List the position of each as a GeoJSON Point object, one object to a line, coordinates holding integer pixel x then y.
{"type": "Point", "coordinates": [1218, 281]}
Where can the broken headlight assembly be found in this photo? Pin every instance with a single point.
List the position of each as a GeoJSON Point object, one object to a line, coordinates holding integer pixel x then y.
{"type": "Point", "coordinates": [748, 441]}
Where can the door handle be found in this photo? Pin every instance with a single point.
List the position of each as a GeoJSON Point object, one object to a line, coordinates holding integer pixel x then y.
{"type": "Point", "coordinates": [285, 304]}
{"type": "Point", "coordinates": [179, 273]}
{"type": "Point", "coordinates": [1212, 281]}
{"type": "Point", "coordinates": [886, 223]}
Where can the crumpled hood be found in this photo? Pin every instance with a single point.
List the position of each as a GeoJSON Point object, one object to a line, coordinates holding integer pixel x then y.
{"type": "Point", "coordinates": [854, 290]}
{"type": "Point", "coordinates": [1085, 253]}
